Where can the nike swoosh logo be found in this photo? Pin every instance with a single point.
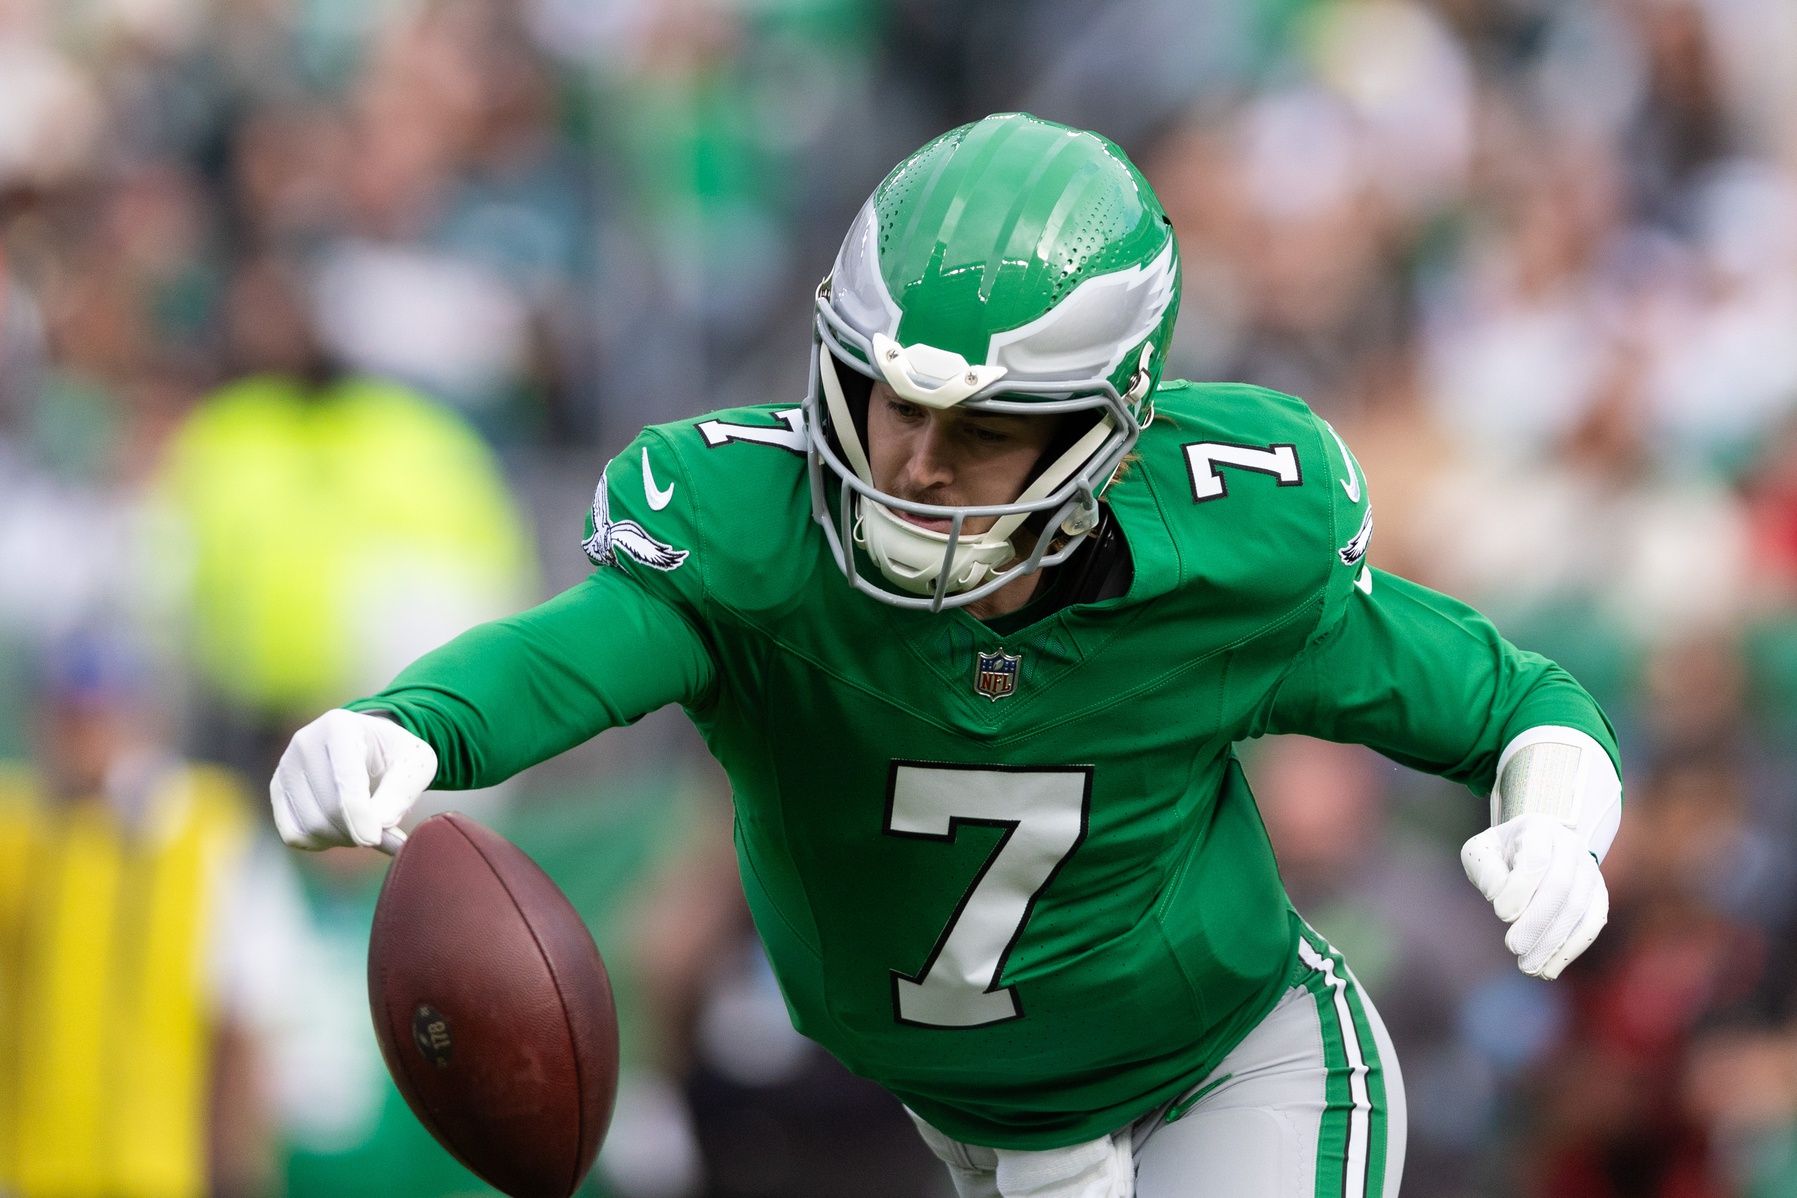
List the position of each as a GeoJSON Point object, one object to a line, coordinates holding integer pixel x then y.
{"type": "Point", "coordinates": [659, 497]}
{"type": "Point", "coordinates": [1365, 580]}
{"type": "Point", "coordinates": [1350, 484]}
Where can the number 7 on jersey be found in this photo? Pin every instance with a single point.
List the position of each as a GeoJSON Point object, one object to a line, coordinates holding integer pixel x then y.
{"type": "Point", "coordinates": [1043, 812]}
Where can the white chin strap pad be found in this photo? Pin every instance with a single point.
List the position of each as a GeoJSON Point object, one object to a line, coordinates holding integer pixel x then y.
{"type": "Point", "coordinates": [913, 558]}
{"type": "Point", "coordinates": [1562, 773]}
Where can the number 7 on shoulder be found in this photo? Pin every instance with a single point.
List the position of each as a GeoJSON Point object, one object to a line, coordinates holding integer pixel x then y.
{"type": "Point", "coordinates": [1205, 459]}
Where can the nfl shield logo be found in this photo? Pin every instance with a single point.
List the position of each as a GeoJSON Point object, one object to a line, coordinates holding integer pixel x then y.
{"type": "Point", "coordinates": [995, 674]}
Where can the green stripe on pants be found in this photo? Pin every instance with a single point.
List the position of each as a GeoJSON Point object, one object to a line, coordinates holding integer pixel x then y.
{"type": "Point", "coordinates": [1351, 1144]}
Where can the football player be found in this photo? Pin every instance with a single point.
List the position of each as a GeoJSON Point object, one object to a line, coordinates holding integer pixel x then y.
{"type": "Point", "coordinates": [974, 631]}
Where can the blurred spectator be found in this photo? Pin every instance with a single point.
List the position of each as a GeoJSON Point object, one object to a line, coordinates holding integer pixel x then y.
{"type": "Point", "coordinates": [338, 524]}
{"type": "Point", "coordinates": [138, 962]}
{"type": "Point", "coordinates": [462, 220]}
{"type": "Point", "coordinates": [1677, 1036]}
{"type": "Point", "coordinates": [1604, 551]}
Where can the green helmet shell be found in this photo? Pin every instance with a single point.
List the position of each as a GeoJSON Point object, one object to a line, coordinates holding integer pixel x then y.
{"type": "Point", "coordinates": [1011, 265]}
{"type": "Point", "coordinates": [1015, 243]}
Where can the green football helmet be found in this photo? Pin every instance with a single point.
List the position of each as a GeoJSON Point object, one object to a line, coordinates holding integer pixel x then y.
{"type": "Point", "coordinates": [1011, 266]}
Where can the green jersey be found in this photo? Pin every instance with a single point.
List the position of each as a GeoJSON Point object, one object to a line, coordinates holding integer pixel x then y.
{"type": "Point", "coordinates": [1016, 877]}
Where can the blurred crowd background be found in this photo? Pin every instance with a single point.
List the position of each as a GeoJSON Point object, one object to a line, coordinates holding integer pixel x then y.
{"type": "Point", "coordinates": [319, 318]}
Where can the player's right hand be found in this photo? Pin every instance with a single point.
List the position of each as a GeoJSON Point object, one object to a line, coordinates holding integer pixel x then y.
{"type": "Point", "coordinates": [349, 778]}
{"type": "Point", "coordinates": [1543, 882]}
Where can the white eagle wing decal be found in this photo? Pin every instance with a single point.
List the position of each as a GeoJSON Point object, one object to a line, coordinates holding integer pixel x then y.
{"type": "Point", "coordinates": [1088, 333]}
{"type": "Point", "coordinates": [1356, 548]}
{"type": "Point", "coordinates": [610, 537]}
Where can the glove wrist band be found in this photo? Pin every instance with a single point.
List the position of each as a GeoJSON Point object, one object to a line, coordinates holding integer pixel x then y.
{"type": "Point", "coordinates": [1564, 774]}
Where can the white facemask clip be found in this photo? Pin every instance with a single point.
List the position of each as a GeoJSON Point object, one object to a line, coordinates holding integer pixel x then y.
{"type": "Point", "coordinates": [924, 374]}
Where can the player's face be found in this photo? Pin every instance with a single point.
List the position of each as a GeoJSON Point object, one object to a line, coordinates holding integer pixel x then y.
{"type": "Point", "coordinates": [951, 457]}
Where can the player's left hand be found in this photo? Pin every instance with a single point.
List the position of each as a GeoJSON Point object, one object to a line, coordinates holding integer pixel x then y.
{"type": "Point", "coordinates": [1544, 883]}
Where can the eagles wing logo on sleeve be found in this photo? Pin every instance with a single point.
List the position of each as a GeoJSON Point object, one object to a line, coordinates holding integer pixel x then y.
{"type": "Point", "coordinates": [1355, 549]}
{"type": "Point", "coordinates": [611, 537]}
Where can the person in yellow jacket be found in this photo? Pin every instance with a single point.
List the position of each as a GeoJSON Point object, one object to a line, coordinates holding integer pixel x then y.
{"type": "Point", "coordinates": [127, 896]}
{"type": "Point", "coordinates": [334, 524]}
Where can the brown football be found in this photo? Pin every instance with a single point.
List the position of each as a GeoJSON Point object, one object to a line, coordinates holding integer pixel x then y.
{"type": "Point", "coordinates": [493, 1009]}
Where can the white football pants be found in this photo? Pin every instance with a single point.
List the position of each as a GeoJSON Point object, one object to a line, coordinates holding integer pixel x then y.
{"type": "Point", "coordinates": [1309, 1105]}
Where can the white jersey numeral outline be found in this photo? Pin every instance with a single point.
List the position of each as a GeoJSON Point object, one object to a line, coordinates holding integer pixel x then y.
{"type": "Point", "coordinates": [1204, 458]}
{"type": "Point", "coordinates": [1044, 813]}
{"type": "Point", "coordinates": [790, 437]}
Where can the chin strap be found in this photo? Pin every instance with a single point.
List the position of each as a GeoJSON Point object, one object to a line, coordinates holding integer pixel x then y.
{"type": "Point", "coordinates": [839, 415]}
{"type": "Point", "coordinates": [1052, 477]}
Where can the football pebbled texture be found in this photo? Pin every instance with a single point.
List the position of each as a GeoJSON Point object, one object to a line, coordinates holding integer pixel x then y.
{"type": "Point", "coordinates": [493, 1008]}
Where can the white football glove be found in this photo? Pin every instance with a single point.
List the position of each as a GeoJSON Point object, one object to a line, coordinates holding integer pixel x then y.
{"type": "Point", "coordinates": [1543, 882]}
{"type": "Point", "coordinates": [348, 778]}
